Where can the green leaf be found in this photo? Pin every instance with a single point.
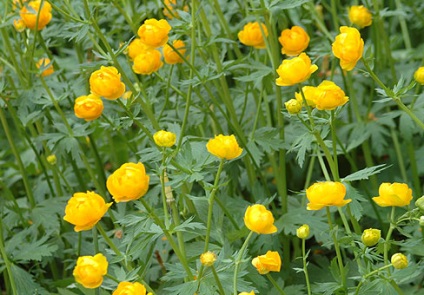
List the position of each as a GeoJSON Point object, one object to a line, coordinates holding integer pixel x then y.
{"type": "Point", "coordinates": [277, 5]}
{"type": "Point", "coordinates": [268, 139]}
{"type": "Point", "coordinates": [25, 283]}
{"type": "Point", "coordinates": [35, 250]}
{"type": "Point", "coordinates": [365, 173]}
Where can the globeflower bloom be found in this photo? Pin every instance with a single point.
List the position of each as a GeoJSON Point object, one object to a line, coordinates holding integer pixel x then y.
{"type": "Point", "coordinates": [329, 96]}
{"type": "Point", "coordinates": [348, 47]}
{"type": "Point", "coordinates": [136, 47]}
{"type": "Point", "coordinates": [295, 70]}
{"type": "Point", "coordinates": [360, 16]}
{"type": "Point", "coordinates": [127, 288]}
{"type": "Point", "coordinates": [164, 138]}
{"type": "Point", "coordinates": [251, 35]}
{"type": "Point", "coordinates": [84, 210]}
{"type": "Point", "coordinates": [88, 107]}
{"type": "Point", "coordinates": [30, 11]}
{"type": "Point", "coordinates": [271, 261]}
{"type": "Point", "coordinates": [293, 41]}
{"type": "Point", "coordinates": [90, 270]}
{"type": "Point", "coordinates": [326, 193]}
{"type": "Point", "coordinates": [371, 236]}
{"type": "Point", "coordinates": [419, 75]}
{"type": "Point", "coordinates": [147, 62]}
{"type": "Point", "coordinates": [259, 220]}
{"type": "Point", "coordinates": [171, 57]}
{"type": "Point", "coordinates": [46, 66]}
{"type": "Point", "coordinates": [310, 93]}
{"type": "Point", "coordinates": [19, 25]}
{"type": "Point", "coordinates": [106, 82]}
{"type": "Point", "coordinates": [399, 261]}
{"type": "Point", "coordinates": [208, 258]}
{"type": "Point", "coordinates": [154, 33]}
{"type": "Point", "coordinates": [224, 147]}
{"type": "Point", "coordinates": [293, 106]}
{"type": "Point", "coordinates": [393, 194]}
{"type": "Point", "coordinates": [129, 182]}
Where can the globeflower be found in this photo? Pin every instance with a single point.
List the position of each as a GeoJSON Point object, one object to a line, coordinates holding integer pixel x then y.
{"type": "Point", "coordinates": [245, 293]}
{"type": "Point", "coordinates": [208, 258]}
{"type": "Point", "coordinates": [419, 75]}
{"type": "Point", "coordinates": [303, 232]}
{"type": "Point", "coordinates": [164, 138]}
{"type": "Point", "coordinates": [293, 41]}
{"type": "Point", "coordinates": [129, 182]}
{"type": "Point", "coordinates": [310, 93]}
{"type": "Point", "coordinates": [393, 194]}
{"type": "Point", "coordinates": [348, 47]}
{"type": "Point", "coordinates": [295, 70]}
{"type": "Point", "coordinates": [224, 147]}
{"type": "Point", "coordinates": [327, 193]}
{"type": "Point", "coordinates": [360, 16]}
{"type": "Point", "coordinates": [154, 33]}
{"type": "Point", "coordinates": [88, 107]}
{"type": "Point", "coordinates": [127, 288]}
{"type": "Point", "coordinates": [45, 65]}
{"type": "Point", "coordinates": [293, 106]}
{"type": "Point", "coordinates": [136, 47]}
{"type": "Point", "coordinates": [271, 261]}
{"type": "Point", "coordinates": [371, 236]}
{"type": "Point", "coordinates": [259, 220]}
{"type": "Point", "coordinates": [329, 96]}
{"type": "Point", "coordinates": [170, 55]}
{"type": "Point", "coordinates": [90, 270]}
{"type": "Point", "coordinates": [84, 210]}
{"type": "Point", "coordinates": [106, 82]}
{"type": "Point", "coordinates": [29, 14]}
{"type": "Point", "coordinates": [147, 62]}
{"type": "Point", "coordinates": [253, 35]}
{"type": "Point", "coordinates": [19, 25]}
{"type": "Point", "coordinates": [399, 261]}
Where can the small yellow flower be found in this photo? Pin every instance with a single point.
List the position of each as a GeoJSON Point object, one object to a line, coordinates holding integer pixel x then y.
{"type": "Point", "coordinates": [171, 57]}
{"type": "Point", "coordinates": [19, 25]}
{"type": "Point", "coordinates": [208, 258]}
{"type": "Point", "coordinates": [224, 147]}
{"type": "Point", "coordinates": [348, 47]}
{"type": "Point", "coordinates": [90, 270]}
{"type": "Point", "coordinates": [127, 288]}
{"type": "Point", "coordinates": [154, 33]}
{"type": "Point", "coordinates": [303, 232]}
{"type": "Point", "coordinates": [371, 236]}
{"type": "Point", "coordinates": [293, 106]}
{"type": "Point", "coordinates": [147, 62]}
{"type": "Point", "coordinates": [84, 210]}
{"type": "Point", "coordinates": [106, 82]}
{"type": "Point", "coordinates": [29, 14]}
{"type": "Point", "coordinates": [419, 75]}
{"type": "Point", "coordinates": [46, 66]}
{"type": "Point", "coordinates": [259, 220]}
{"type": "Point", "coordinates": [295, 70]}
{"type": "Point", "coordinates": [293, 41]}
{"type": "Point", "coordinates": [271, 261]}
{"type": "Point", "coordinates": [51, 159]}
{"type": "Point", "coordinates": [88, 107]}
{"type": "Point", "coordinates": [329, 96]}
{"type": "Point", "coordinates": [129, 182]}
{"type": "Point", "coordinates": [393, 194]}
{"type": "Point", "coordinates": [327, 193]}
{"type": "Point", "coordinates": [245, 293]}
{"type": "Point", "coordinates": [399, 261]}
{"type": "Point", "coordinates": [253, 35]}
{"type": "Point", "coordinates": [164, 138]}
{"type": "Point", "coordinates": [360, 16]}
{"type": "Point", "coordinates": [136, 47]}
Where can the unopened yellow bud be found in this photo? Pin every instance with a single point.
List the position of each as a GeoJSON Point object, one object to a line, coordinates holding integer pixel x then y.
{"type": "Point", "coordinates": [208, 258]}
{"type": "Point", "coordinates": [52, 159]}
{"type": "Point", "coordinates": [303, 232]}
{"type": "Point", "coordinates": [399, 261]}
{"type": "Point", "coordinates": [293, 106]}
{"type": "Point", "coordinates": [420, 203]}
{"type": "Point", "coordinates": [371, 236]}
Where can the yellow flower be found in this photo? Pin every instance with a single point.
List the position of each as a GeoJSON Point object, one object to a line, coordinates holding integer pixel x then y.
{"type": "Point", "coordinates": [327, 193]}
{"type": "Point", "coordinates": [360, 16]}
{"type": "Point", "coordinates": [303, 232]}
{"type": "Point", "coordinates": [30, 11]}
{"type": "Point", "coordinates": [393, 194]}
{"type": "Point", "coordinates": [90, 270]}
{"type": "Point", "coordinates": [224, 147]}
{"type": "Point", "coordinates": [348, 47]}
{"type": "Point", "coordinates": [293, 106]}
{"type": "Point", "coordinates": [251, 35]}
{"type": "Point", "coordinates": [136, 47]}
{"type": "Point", "coordinates": [295, 70]}
{"type": "Point", "coordinates": [170, 9]}
{"type": "Point", "coordinates": [399, 261]}
{"type": "Point", "coordinates": [84, 210]}
{"type": "Point", "coordinates": [294, 41]}
{"type": "Point", "coordinates": [147, 62]}
{"type": "Point", "coordinates": [164, 138]}
{"type": "Point", "coordinates": [46, 66]}
{"type": "Point", "coordinates": [259, 220]}
{"type": "Point", "coordinates": [329, 96]}
{"type": "Point", "coordinates": [271, 261]}
{"type": "Point", "coordinates": [19, 25]}
{"type": "Point", "coordinates": [127, 288]}
{"type": "Point", "coordinates": [52, 159]}
{"type": "Point", "coordinates": [245, 293]}
{"type": "Point", "coordinates": [88, 107]}
{"type": "Point", "coordinates": [310, 92]}
{"type": "Point", "coordinates": [208, 258]}
{"type": "Point", "coordinates": [371, 236]}
{"type": "Point", "coordinates": [106, 82]}
{"type": "Point", "coordinates": [128, 182]}
{"type": "Point", "coordinates": [171, 57]}
{"type": "Point", "coordinates": [419, 75]}
{"type": "Point", "coordinates": [154, 33]}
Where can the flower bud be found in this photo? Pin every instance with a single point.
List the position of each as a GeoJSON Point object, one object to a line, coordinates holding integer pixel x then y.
{"type": "Point", "coordinates": [419, 75]}
{"type": "Point", "coordinates": [293, 106]}
{"type": "Point", "coordinates": [360, 16]}
{"type": "Point", "coordinates": [19, 25]}
{"type": "Point", "coordinates": [164, 138]}
{"type": "Point", "coordinates": [52, 159]}
{"type": "Point", "coordinates": [303, 232]}
{"type": "Point", "coordinates": [420, 203]}
{"type": "Point", "coordinates": [399, 261]}
{"type": "Point", "coordinates": [421, 221]}
{"type": "Point", "coordinates": [371, 236]}
{"type": "Point", "coordinates": [259, 220]}
{"type": "Point", "coordinates": [208, 258]}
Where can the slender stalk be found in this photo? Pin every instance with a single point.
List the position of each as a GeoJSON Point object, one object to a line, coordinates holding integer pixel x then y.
{"type": "Point", "coordinates": [279, 289]}
{"type": "Point", "coordinates": [238, 261]}
{"type": "Point", "coordinates": [369, 275]}
{"type": "Point", "coordinates": [217, 280]}
{"type": "Point", "coordinates": [388, 236]}
{"type": "Point", "coordinates": [6, 260]}
{"type": "Point", "coordinates": [305, 266]}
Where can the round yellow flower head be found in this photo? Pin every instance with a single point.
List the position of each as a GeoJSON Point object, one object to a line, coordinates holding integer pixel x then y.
{"type": "Point", "coordinates": [147, 62]}
{"type": "Point", "coordinates": [326, 193]}
{"type": "Point", "coordinates": [303, 232]}
{"type": "Point", "coordinates": [51, 159]}
{"type": "Point", "coordinates": [46, 66]}
{"type": "Point", "coordinates": [251, 35]}
{"type": "Point", "coordinates": [224, 147]}
{"type": "Point", "coordinates": [371, 236]}
{"type": "Point", "coordinates": [360, 16]}
{"type": "Point", "coordinates": [154, 33]}
{"type": "Point", "coordinates": [208, 258]}
{"type": "Point", "coordinates": [88, 107]}
{"type": "Point", "coordinates": [30, 11]}
{"type": "Point", "coordinates": [271, 261]}
{"type": "Point", "coordinates": [259, 220]}
{"type": "Point", "coordinates": [293, 106]}
{"type": "Point", "coordinates": [293, 41]}
{"type": "Point", "coordinates": [164, 138]}
{"type": "Point", "coordinates": [136, 47]}
{"type": "Point", "coordinates": [246, 293]}
{"type": "Point", "coordinates": [19, 25]}
{"type": "Point", "coordinates": [90, 270]}
{"type": "Point", "coordinates": [310, 93]}
{"type": "Point", "coordinates": [393, 194]}
{"type": "Point", "coordinates": [84, 210]}
{"type": "Point", "coordinates": [419, 75]}
{"type": "Point", "coordinates": [295, 70]}
{"type": "Point", "coordinates": [106, 82]}
{"type": "Point", "coordinates": [127, 288]}
{"type": "Point", "coordinates": [348, 47]}
{"type": "Point", "coordinates": [329, 96]}
{"type": "Point", "coordinates": [399, 261]}
{"type": "Point", "coordinates": [129, 182]}
{"type": "Point", "coordinates": [171, 57]}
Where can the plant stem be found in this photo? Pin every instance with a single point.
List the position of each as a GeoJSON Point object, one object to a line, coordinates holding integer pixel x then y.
{"type": "Point", "coordinates": [238, 261]}
{"type": "Point", "coordinates": [305, 266]}
{"type": "Point", "coordinates": [279, 289]}
{"type": "Point", "coordinates": [6, 260]}
{"type": "Point", "coordinates": [388, 236]}
{"type": "Point", "coordinates": [218, 282]}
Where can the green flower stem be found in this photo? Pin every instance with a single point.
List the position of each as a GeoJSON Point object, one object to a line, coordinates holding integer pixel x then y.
{"type": "Point", "coordinates": [335, 17]}
{"type": "Point", "coordinates": [388, 236]}
{"type": "Point", "coordinates": [218, 282]}
{"type": "Point", "coordinates": [414, 169]}
{"type": "Point", "coordinates": [334, 144]}
{"type": "Point", "coordinates": [319, 21]}
{"type": "Point", "coordinates": [271, 279]}
{"type": "Point", "coordinates": [403, 26]}
{"type": "Point", "coordinates": [95, 240]}
{"type": "Point", "coordinates": [163, 189]}
{"type": "Point", "coordinates": [369, 275]}
{"type": "Point", "coordinates": [305, 266]}
{"type": "Point", "coordinates": [238, 261]}
{"type": "Point", "coordinates": [6, 260]}
{"type": "Point", "coordinates": [322, 165]}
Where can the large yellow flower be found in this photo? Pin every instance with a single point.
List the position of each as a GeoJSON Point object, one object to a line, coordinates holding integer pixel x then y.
{"type": "Point", "coordinates": [127, 288]}
{"type": "Point", "coordinates": [327, 193]}
{"type": "Point", "coordinates": [136, 47]}
{"type": "Point", "coordinates": [271, 261]}
{"type": "Point", "coordinates": [329, 96]}
{"type": "Point", "coordinates": [30, 11]}
{"type": "Point", "coordinates": [393, 194]}
{"type": "Point", "coordinates": [88, 107]}
{"type": "Point", "coordinates": [224, 147]}
{"type": "Point", "coordinates": [348, 47]}
{"type": "Point", "coordinates": [295, 70]}
{"type": "Point", "coordinates": [293, 41]}
{"type": "Point", "coordinates": [106, 82]}
{"type": "Point", "coordinates": [251, 35]}
{"type": "Point", "coordinates": [147, 62]}
{"type": "Point", "coordinates": [90, 270]}
{"type": "Point", "coordinates": [259, 220]}
{"type": "Point", "coordinates": [360, 16]}
{"type": "Point", "coordinates": [154, 33]}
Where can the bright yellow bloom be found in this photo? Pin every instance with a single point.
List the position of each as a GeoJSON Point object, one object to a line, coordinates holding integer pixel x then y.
{"type": "Point", "coordinates": [360, 16]}
{"type": "Point", "coordinates": [127, 288]}
{"type": "Point", "coordinates": [19, 25]}
{"type": "Point", "coordinates": [88, 107]}
{"type": "Point", "coordinates": [303, 232]}
{"type": "Point", "coordinates": [399, 261]}
{"type": "Point", "coordinates": [295, 70]}
{"type": "Point", "coordinates": [329, 96]}
{"type": "Point", "coordinates": [208, 258]}
{"type": "Point", "coordinates": [129, 182]}
{"type": "Point", "coordinates": [84, 210]}
{"type": "Point", "coordinates": [154, 33]}
{"type": "Point", "coordinates": [419, 75]}
{"type": "Point", "coordinates": [251, 35]}
{"type": "Point", "coordinates": [136, 47]}
{"type": "Point", "coordinates": [293, 106]}
{"type": "Point", "coordinates": [348, 47]}
{"type": "Point", "coordinates": [294, 41]}
{"type": "Point", "coordinates": [310, 92]}
{"type": "Point", "coordinates": [106, 82]}
{"type": "Point", "coordinates": [90, 270]}
{"type": "Point", "coordinates": [171, 57]}
{"type": "Point", "coordinates": [46, 66]}
{"type": "Point", "coordinates": [259, 220]}
{"type": "Point", "coordinates": [271, 261]}
{"type": "Point", "coordinates": [164, 138]}
{"type": "Point", "coordinates": [327, 193]}
{"type": "Point", "coordinates": [393, 194]}
{"type": "Point", "coordinates": [245, 293]}
{"type": "Point", "coordinates": [30, 11]}
{"type": "Point", "coordinates": [224, 147]}
{"type": "Point", "coordinates": [147, 62]}
{"type": "Point", "coordinates": [371, 236]}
